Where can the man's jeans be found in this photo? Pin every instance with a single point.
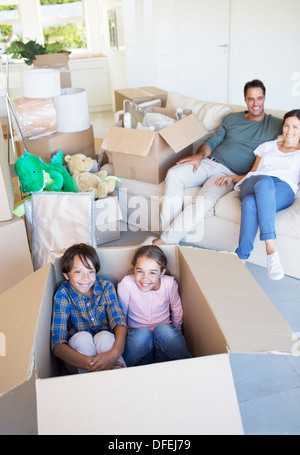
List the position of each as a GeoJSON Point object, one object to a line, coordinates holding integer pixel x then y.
{"type": "Point", "coordinates": [176, 219]}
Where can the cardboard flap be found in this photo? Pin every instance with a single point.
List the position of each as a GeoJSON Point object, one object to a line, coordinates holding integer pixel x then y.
{"type": "Point", "coordinates": [117, 140]}
{"type": "Point", "coordinates": [184, 132]}
{"type": "Point", "coordinates": [19, 309]}
{"type": "Point", "coordinates": [248, 319]}
{"type": "Point", "coordinates": [6, 186]}
{"type": "Point", "coordinates": [204, 402]}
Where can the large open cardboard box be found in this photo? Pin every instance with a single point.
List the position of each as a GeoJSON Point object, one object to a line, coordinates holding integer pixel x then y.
{"type": "Point", "coordinates": [147, 155]}
{"type": "Point", "coordinates": [69, 143]}
{"type": "Point", "coordinates": [224, 310]}
{"type": "Point", "coordinates": [139, 95]}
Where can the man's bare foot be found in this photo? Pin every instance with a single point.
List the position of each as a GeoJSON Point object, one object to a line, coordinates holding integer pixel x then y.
{"type": "Point", "coordinates": [158, 241]}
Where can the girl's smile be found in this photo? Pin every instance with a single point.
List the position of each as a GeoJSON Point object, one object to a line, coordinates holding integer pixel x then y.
{"type": "Point", "coordinates": [147, 274]}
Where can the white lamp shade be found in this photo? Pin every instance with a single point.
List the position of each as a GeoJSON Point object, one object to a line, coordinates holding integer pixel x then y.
{"type": "Point", "coordinates": [72, 110]}
{"type": "Point", "coordinates": [41, 83]}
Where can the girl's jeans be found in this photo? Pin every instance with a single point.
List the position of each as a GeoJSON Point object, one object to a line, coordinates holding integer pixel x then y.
{"type": "Point", "coordinates": [262, 196]}
{"type": "Point", "coordinates": [144, 346]}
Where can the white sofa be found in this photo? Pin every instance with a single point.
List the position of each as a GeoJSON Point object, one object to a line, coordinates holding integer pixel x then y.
{"type": "Point", "coordinates": [220, 229]}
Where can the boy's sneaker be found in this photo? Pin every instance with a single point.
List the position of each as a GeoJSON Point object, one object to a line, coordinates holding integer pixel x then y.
{"type": "Point", "coordinates": [274, 268]}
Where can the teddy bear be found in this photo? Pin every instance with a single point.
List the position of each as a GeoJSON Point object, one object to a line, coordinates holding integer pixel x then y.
{"type": "Point", "coordinates": [88, 178]}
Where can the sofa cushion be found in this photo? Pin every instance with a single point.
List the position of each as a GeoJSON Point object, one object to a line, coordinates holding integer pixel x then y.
{"type": "Point", "coordinates": [176, 101]}
{"type": "Point", "coordinates": [287, 221]}
{"type": "Point", "coordinates": [229, 207]}
{"type": "Point", "coordinates": [211, 114]}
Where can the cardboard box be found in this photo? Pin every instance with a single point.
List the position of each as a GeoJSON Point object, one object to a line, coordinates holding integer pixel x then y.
{"type": "Point", "coordinates": [68, 143]}
{"type": "Point", "coordinates": [107, 219]}
{"type": "Point", "coordinates": [16, 261]}
{"type": "Point", "coordinates": [59, 61]}
{"type": "Point", "coordinates": [6, 186]}
{"type": "Point", "coordinates": [147, 155]}
{"type": "Point", "coordinates": [224, 310]}
{"type": "Point", "coordinates": [139, 95]}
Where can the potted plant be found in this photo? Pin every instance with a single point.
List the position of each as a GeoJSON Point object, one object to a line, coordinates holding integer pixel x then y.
{"type": "Point", "coordinates": [49, 55]}
{"type": "Point", "coordinates": [29, 50]}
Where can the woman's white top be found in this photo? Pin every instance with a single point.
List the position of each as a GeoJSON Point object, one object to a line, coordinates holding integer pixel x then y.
{"type": "Point", "coordinates": [285, 166]}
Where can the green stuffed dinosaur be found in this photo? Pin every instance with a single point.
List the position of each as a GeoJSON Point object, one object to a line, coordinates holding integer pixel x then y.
{"type": "Point", "coordinates": [35, 175]}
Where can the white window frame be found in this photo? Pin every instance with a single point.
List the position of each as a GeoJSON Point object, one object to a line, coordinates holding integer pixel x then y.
{"type": "Point", "coordinates": [31, 22]}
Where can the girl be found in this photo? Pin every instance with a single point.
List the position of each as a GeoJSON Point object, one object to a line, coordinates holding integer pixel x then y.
{"type": "Point", "coordinates": [270, 186]}
{"type": "Point", "coordinates": [153, 310]}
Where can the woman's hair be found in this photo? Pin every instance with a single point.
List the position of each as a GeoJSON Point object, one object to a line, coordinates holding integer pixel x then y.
{"type": "Point", "coordinates": [152, 252]}
{"type": "Point", "coordinates": [293, 113]}
{"type": "Point", "coordinates": [84, 252]}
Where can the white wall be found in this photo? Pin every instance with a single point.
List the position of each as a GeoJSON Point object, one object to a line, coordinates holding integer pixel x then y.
{"type": "Point", "coordinates": [166, 45]}
{"type": "Point", "coordinates": [265, 44]}
{"type": "Point", "coordinates": [138, 17]}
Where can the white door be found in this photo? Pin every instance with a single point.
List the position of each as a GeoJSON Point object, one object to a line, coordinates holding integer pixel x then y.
{"type": "Point", "coordinates": [179, 46]}
{"type": "Point", "coordinates": [265, 37]}
{"type": "Point", "coordinates": [202, 48]}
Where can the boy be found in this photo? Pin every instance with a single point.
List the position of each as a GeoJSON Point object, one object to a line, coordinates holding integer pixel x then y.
{"type": "Point", "coordinates": [86, 312]}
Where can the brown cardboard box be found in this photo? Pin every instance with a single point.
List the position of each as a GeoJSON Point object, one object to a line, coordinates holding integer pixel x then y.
{"type": "Point", "coordinates": [225, 310]}
{"type": "Point", "coordinates": [139, 95]}
{"type": "Point", "coordinates": [69, 143]}
{"type": "Point", "coordinates": [147, 155]}
{"type": "Point", "coordinates": [6, 186]}
{"type": "Point", "coordinates": [16, 261]}
{"type": "Point", "coordinates": [59, 61]}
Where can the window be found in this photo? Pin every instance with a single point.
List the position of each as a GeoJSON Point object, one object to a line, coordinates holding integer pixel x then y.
{"type": "Point", "coordinates": [63, 21]}
{"type": "Point", "coordinates": [10, 25]}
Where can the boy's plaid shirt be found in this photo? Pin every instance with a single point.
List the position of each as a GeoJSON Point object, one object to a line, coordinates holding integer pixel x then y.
{"type": "Point", "coordinates": [73, 312]}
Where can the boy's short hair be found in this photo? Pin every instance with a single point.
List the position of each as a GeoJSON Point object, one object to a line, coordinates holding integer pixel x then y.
{"type": "Point", "coordinates": [84, 252]}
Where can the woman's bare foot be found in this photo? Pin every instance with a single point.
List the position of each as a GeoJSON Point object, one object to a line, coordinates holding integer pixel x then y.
{"type": "Point", "coordinates": [158, 241]}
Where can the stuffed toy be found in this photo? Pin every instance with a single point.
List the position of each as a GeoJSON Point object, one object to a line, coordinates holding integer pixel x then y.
{"type": "Point", "coordinates": [87, 179]}
{"type": "Point", "coordinates": [35, 175]}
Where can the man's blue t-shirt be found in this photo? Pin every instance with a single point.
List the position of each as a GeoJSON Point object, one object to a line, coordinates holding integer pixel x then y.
{"type": "Point", "coordinates": [237, 137]}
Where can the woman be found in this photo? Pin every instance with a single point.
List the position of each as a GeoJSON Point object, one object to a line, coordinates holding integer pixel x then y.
{"type": "Point", "coordinates": [270, 186]}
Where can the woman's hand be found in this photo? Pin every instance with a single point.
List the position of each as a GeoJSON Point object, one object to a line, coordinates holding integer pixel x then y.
{"type": "Point", "coordinates": [228, 179]}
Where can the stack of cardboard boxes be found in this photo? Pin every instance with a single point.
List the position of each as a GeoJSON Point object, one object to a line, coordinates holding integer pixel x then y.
{"type": "Point", "coordinates": [16, 261]}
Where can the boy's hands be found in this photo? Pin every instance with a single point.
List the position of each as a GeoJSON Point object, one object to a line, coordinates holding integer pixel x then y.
{"type": "Point", "coordinates": [104, 361]}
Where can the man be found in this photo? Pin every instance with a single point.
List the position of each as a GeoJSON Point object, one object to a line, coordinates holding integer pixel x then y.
{"type": "Point", "coordinates": [228, 151]}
